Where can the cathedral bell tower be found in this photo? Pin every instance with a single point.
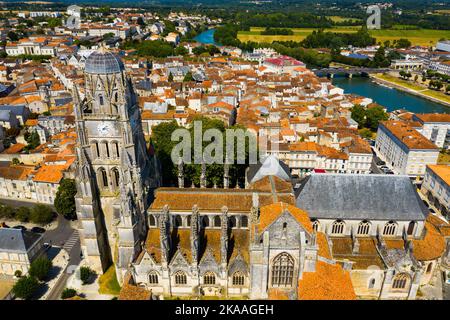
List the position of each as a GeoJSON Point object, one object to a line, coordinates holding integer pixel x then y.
{"type": "Point", "coordinates": [115, 173]}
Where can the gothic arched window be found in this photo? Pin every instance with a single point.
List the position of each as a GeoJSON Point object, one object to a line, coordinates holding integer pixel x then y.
{"type": "Point", "coordinates": [238, 279]}
{"type": "Point", "coordinates": [205, 221]}
{"type": "Point", "coordinates": [411, 227]}
{"type": "Point", "coordinates": [96, 149]}
{"type": "Point", "coordinates": [115, 149]}
{"type": "Point", "coordinates": [338, 227]}
{"type": "Point", "coordinates": [177, 221]}
{"type": "Point", "coordinates": [390, 228]}
{"type": "Point", "coordinates": [371, 283]}
{"type": "Point", "coordinates": [116, 177]}
{"type": "Point", "coordinates": [400, 281]}
{"type": "Point", "coordinates": [180, 277]}
{"type": "Point", "coordinates": [244, 221]}
{"type": "Point", "coordinates": [106, 148]}
{"type": "Point", "coordinates": [217, 221]}
{"type": "Point", "coordinates": [188, 220]}
{"type": "Point", "coordinates": [209, 278]}
{"type": "Point", "coordinates": [282, 270]}
{"type": "Point", "coordinates": [315, 224]}
{"type": "Point", "coordinates": [363, 227]}
{"type": "Point", "coordinates": [232, 222]}
{"type": "Point", "coordinates": [153, 277]}
{"type": "Point", "coordinates": [152, 221]}
{"type": "Point", "coordinates": [100, 100]}
{"type": "Point", "coordinates": [103, 177]}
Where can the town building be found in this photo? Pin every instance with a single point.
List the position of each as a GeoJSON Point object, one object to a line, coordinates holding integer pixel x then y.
{"type": "Point", "coordinates": [18, 249]}
{"type": "Point", "coordinates": [404, 150]}
{"type": "Point", "coordinates": [436, 187]}
{"type": "Point", "coordinates": [435, 127]}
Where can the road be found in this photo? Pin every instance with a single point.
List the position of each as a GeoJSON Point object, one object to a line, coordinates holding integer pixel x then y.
{"type": "Point", "coordinates": [74, 260]}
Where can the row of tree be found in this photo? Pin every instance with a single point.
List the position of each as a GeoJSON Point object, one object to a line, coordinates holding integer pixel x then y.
{"type": "Point", "coordinates": [39, 213]}
{"type": "Point", "coordinates": [27, 286]}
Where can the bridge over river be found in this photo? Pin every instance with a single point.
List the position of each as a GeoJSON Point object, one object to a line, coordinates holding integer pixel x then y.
{"type": "Point", "coordinates": [348, 72]}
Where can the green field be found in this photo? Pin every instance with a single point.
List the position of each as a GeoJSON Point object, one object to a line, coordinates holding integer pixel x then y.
{"type": "Point", "coordinates": [342, 19]}
{"type": "Point", "coordinates": [423, 37]}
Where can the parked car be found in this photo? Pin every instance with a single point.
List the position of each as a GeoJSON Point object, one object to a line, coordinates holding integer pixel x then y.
{"type": "Point", "coordinates": [47, 246]}
{"type": "Point", "coordinates": [380, 163]}
{"type": "Point", "coordinates": [20, 227]}
{"type": "Point", "coordinates": [426, 203]}
{"type": "Point", "coordinates": [384, 168]}
{"type": "Point", "coordinates": [37, 230]}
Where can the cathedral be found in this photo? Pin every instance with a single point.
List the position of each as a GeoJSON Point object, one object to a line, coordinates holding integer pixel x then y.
{"type": "Point", "coordinates": [116, 173]}
{"type": "Point", "coordinates": [329, 236]}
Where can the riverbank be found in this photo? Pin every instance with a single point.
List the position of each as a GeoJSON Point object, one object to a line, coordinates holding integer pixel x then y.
{"type": "Point", "coordinates": [411, 88]}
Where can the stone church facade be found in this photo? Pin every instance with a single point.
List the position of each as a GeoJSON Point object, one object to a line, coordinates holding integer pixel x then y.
{"type": "Point", "coordinates": [115, 172]}
{"type": "Point", "coordinates": [265, 241]}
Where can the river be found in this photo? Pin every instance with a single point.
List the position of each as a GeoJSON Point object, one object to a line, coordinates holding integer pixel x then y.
{"type": "Point", "coordinates": [206, 37]}
{"type": "Point", "coordinates": [392, 99]}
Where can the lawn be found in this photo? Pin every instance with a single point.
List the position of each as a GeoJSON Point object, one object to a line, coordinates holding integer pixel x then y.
{"type": "Point", "coordinates": [5, 287]}
{"type": "Point", "coordinates": [423, 37]}
{"type": "Point", "coordinates": [444, 158]}
{"type": "Point", "coordinates": [108, 283]}
{"type": "Point", "coordinates": [342, 19]}
{"type": "Point", "coordinates": [415, 87]}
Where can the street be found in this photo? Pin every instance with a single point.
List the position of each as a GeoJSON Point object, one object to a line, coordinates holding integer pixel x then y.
{"type": "Point", "coordinates": [63, 237]}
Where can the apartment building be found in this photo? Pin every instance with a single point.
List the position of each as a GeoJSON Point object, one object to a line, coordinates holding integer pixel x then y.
{"type": "Point", "coordinates": [435, 127]}
{"type": "Point", "coordinates": [404, 149]}
{"type": "Point", "coordinates": [436, 187]}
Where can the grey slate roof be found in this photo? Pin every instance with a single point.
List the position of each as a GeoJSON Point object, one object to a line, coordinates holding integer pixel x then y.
{"type": "Point", "coordinates": [17, 240]}
{"type": "Point", "coordinates": [359, 197]}
{"type": "Point", "coordinates": [103, 63]}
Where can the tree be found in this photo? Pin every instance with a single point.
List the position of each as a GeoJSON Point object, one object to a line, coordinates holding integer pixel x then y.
{"type": "Point", "coordinates": [41, 213]}
{"type": "Point", "coordinates": [15, 161]}
{"type": "Point", "coordinates": [402, 43]}
{"type": "Point", "coordinates": [13, 36]}
{"type": "Point", "coordinates": [170, 78]}
{"type": "Point", "coordinates": [7, 212]}
{"type": "Point", "coordinates": [447, 88]}
{"type": "Point", "coordinates": [22, 214]}
{"type": "Point", "coordinates": [188, 77]}
{"type": "Point", "coordinates": [18, 273]}
{"type": "Point", "coordinates": [40, 268]}
{"type": "Point", "coordinates": [65, 198]}
{"type": "Point", "coordinates": [68, 293]}
{"type": "Point", "coordinates": [366, 133]}
{"type": "Point", "coordinates": [25, 287]}
{"type": "Point", "coordinates": [181, 51]}
{"type": "Point", "coordinates": [33, 140]}
{"type": "Point", "coordinates": [359, 115]}
{"type": "Point", "coordinates": [85, 274]}
{"type": "Point", "coordinates": [374, 115]}
{"type": "Point", "coordinates": [141, 22]}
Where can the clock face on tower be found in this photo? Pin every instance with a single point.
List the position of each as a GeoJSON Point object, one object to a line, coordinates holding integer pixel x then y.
{"type": "Point", "coordinates": [104, 129]}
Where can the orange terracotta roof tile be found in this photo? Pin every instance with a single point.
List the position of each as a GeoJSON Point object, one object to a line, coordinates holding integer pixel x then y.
{"type": "Point", "coordinates": [431, 247]}
{"type": "Point", "coordinates": [442, 171]}
{"type": "Point", "coordinates": [328, 282]}
{"type": "Point", "coordinates": [410, 137]}
{"type": "Point", "coordinates": [49, 173]}
{"type": "Point", "coordinates": [271, 212]}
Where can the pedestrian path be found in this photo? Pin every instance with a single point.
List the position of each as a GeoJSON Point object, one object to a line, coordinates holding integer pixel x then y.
{"type": "Point", "coordinates": [72, 241]}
